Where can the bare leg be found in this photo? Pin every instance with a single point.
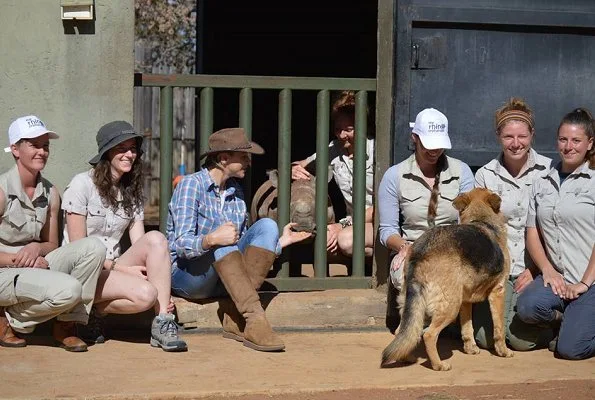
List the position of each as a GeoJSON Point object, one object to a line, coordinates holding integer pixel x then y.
{"type": "Point", "coordinates": [469, 345]}
{"type": "Point", "coordinates": [122, 293]}
{"type": "Point", "coordinates": [345, 240]}
{"type": "Point", "coordinates": [152, 252]}
{"type": "Point", "coordinates": [496, 299]}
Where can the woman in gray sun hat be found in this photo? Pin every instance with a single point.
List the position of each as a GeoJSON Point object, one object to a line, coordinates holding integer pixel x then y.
{"type": "Point", "coordinates": [104, 202]}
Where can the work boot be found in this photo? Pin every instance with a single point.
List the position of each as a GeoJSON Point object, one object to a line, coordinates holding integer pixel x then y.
{"type": "Point", "coordinates": [93, 332]}
{"type": "Point", "coordinates": [258, 334]}
{"type": "Point", "coordinates": [7, 337]}
{"type": "Point", "coordinates": [65, 335]}
{"type": "Point", "coordinates": [231, 320]}
{"type": "Point", "coordinates": [258, 262]}
{"type": "Point", "coordinates": [164, 334]}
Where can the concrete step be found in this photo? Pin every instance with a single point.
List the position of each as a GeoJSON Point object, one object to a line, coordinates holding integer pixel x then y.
{"type": "Point", "coordinates": [328, 309]}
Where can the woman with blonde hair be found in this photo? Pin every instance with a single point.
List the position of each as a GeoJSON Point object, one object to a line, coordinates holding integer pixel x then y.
{"type": "Point", "coordinates": [511, 176]}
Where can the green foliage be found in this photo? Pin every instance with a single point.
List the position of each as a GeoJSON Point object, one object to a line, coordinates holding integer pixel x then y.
{"type": "Point", "coordinates": [167, 30]}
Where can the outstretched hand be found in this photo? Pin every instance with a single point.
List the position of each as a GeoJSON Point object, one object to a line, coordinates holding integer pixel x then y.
{"type": "Point", "coordinates": [290, 236]}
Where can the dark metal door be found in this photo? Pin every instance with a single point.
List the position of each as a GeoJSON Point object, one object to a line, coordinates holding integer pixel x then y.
{"type": "Point", "coordinates": [467, 62]}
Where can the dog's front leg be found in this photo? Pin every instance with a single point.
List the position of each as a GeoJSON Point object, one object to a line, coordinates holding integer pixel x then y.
{"type": "Point", "coordinates": [496, 299]}
{"type": "Point", "coordinates": [469, 345]}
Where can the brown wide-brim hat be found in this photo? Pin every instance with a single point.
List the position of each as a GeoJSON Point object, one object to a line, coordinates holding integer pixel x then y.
{"type": "Point", "coordinates": [231, 139]}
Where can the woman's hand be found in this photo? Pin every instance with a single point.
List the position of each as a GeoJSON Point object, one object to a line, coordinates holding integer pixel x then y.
{"type": "Point", "coordinates": [555, 280]}
{"type": "Point", "coordinates": [27, 256]}
{"type": "Point", "coordinates": [523, 280]}
{"type": "Point", "coordinates": [171, 306]}
{"type": "Point", "coordinates": [332, 236]}
{"type": "Point", "coordinates": [299, 172]}
{"type": "Point", "coordinates": [572, 291]}
{"type": "Point", "coordinates": [290, 236]}
{"type": "Point", "coordinates": [41, 262]}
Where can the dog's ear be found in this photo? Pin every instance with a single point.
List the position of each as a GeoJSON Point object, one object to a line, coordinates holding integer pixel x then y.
{"type": "Point", "coordinates": [461, 202]}
{"type": "Point", "coordinates": [494, 201]}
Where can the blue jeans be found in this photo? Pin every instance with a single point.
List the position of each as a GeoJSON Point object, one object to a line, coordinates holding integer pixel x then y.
{"type": "Point", "coordinates": [197, 279]}
{"type": "Point", "coordinates": [576, 340]}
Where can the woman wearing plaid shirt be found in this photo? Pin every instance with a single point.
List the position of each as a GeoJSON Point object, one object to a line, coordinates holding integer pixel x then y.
{"type": "Point", "coordinates": [214, 252]}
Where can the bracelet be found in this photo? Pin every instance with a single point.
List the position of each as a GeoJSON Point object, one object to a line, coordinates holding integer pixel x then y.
{"type": "Point", "coordinates": [588, 287]}
{"type": "Point", "coordinates": [345, 222]}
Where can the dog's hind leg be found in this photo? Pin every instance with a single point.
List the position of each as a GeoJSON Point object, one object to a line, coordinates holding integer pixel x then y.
{"type": "Point", "coordinates": [496, 300]}
{"type": "Point", "coordinates": [469, 345]}
{"type": "Point", "coordinates": [441, 317]}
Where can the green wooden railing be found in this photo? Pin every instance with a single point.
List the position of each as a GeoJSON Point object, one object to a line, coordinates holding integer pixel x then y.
{"type": "Point", "coordinates": [206, 84]}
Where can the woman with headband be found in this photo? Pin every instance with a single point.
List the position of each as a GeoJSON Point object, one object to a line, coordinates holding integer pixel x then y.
{"type": "Point", "coordinates": [511, 176]}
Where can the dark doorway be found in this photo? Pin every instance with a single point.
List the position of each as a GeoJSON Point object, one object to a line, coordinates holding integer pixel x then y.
{"type": "Point", "coordinates": [324, 39]}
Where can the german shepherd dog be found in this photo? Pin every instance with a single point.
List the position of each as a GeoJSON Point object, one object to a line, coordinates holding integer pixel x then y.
{"type": "Point", "coordinates": [448, 269]}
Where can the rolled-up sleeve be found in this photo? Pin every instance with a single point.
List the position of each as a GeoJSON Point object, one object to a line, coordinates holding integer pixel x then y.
{"type": "Point", "coordinates": [77, 193]}
{"type": "Point", "coordinates": [467, 180]}
{"type": "Point", "coordinates": [388, 205]}
{"type": "Point", "coordinates": [186, 220]}
{"type": "Point", "coordinates": [531, 212]}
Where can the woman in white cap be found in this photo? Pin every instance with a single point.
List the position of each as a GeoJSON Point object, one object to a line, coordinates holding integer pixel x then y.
{"type": "Point", "coordinates": [214, 253]}
{"type": "Point", "coordinates": [38, 280]}
{"type": "Point", "coordinates": [105, 202]}
{"type": "Point", "coordinates": [417, 193]}
{"type": "Point", "coordinates": [511, 176]}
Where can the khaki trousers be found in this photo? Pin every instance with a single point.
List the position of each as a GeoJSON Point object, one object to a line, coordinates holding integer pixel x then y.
{"type": "Point", "coordinates": [66, 290]}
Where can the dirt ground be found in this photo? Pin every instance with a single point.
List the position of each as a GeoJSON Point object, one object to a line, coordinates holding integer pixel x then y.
{"type": "Point", "coordinates": [316, 365]}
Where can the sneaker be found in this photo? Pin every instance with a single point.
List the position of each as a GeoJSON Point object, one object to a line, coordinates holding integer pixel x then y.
{"type": "Point", "coordinates": [93, 332]}
{"type": "Point", "coordinates": [164, 334]}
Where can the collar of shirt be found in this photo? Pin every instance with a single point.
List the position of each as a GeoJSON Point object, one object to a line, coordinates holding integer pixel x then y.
{"type": "Point", "coordinates": [534, 161]}
{"type": "Point", "coordinates": [582, 171]}
{"type": "Point", "coordinates": [15, 188]}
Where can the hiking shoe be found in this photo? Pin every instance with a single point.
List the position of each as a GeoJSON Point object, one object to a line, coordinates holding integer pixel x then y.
{"type": "Point", "coordinates": [93, 332]}
{"type": "Point", "coordinates": [164, 334]}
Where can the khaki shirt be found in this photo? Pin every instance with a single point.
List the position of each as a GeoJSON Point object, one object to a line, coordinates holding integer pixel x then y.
{"type": "Point", "coordinates": [515, 193]}
{"type": "Point", "coordinates": [23, 218]}
{"type": "Point", "coordinates": [81, 197]}
{"type": "Point", "coordinates": [565, 217]}
{"type": "Point", "coordinates": [404, 196]}
{"type": "Point", "coordinates": [342, 168]}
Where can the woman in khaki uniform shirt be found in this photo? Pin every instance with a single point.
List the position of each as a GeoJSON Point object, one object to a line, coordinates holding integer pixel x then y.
{"type": "Point", "coordinates": [561, 242]}
{"type": "Point", "coordinates": [511, 176]}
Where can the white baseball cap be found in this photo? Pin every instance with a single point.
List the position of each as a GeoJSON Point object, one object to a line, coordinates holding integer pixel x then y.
{"type": "Point", "coordinates": [27, 127]}
{"type": "Point", "coordinates": [431, 126]}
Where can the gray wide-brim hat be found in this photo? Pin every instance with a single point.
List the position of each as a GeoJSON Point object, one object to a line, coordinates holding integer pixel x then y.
{"type": "Point", "coordinates": [112, 134]}
{"type": "Point", "coordinates": [231, 139]}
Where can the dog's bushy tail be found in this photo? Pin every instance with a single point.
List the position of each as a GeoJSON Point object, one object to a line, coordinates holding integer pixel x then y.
{"type": "Point", "coordinates": [410, 329]}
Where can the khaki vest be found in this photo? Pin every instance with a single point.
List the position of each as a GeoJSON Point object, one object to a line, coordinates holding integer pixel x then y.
{"type": "Point", "coordinates": [414, 197]}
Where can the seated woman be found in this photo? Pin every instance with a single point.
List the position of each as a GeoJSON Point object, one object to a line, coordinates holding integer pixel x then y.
{"type": "Point", "coordinates": [417, 193]}
{"type": "Point", "coordinates": [511, 175]}
{"type": "Point", "coordinates": [104, 202]}
{"type": "Point", "coordinates": [38, 280]}
{"type": "Point", "coordinates": [214, 252]}
{"type": "Point", "coordinates": [561, 242]}
{"type": "Point", "coordinates": [341, 151]}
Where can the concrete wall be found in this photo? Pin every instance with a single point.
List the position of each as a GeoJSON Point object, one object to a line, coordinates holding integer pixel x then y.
{"type": "Point", "coordinates": [75, 77]}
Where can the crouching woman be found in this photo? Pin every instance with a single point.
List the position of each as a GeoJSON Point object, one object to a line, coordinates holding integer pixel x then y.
{"type": "Point", "coordinates": [38, 280]}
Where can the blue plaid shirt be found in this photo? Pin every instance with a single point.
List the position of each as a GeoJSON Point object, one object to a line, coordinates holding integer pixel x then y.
{"type": "Point", "coordinates": [196, 208]}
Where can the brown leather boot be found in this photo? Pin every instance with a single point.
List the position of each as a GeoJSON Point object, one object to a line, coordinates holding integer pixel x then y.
{"type": "Point", "coordinates": [65, 334]}
{"type": "Point", "coordinates": [7, 337]}
{"type": "Point", "coordinates": [232, 321]}
{"type": "Point", "coordinates": [258, 334]}
{"type": "Point", "coordinates": [258, 262]}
